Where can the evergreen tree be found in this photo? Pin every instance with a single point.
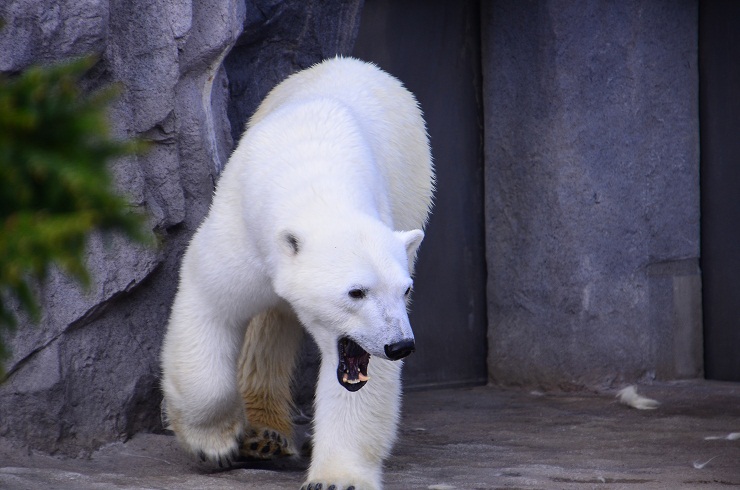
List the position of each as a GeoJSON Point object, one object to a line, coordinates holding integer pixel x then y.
{"type": "Point", "coordinates": [55, 187]}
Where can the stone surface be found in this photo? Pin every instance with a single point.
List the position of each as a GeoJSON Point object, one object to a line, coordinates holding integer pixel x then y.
{"type": "Point", "coordinates": [280, 38]}
{"type": "Point", "coordinates": [592, 183]}
{"type": "Point", "coordinates": [482, 438]}
{"type": "Point", "coordinates": [89, 373]}
{"type": "Point", "coordinates": [45, 31]}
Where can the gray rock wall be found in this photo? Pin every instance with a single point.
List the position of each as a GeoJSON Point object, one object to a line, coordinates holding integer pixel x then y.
{"type": "Point", "coordinates": [284, 37]}
{"type": "Point", "coordinates": [89, 373]}
{"type": "Point", "coordinates": [592, 191]}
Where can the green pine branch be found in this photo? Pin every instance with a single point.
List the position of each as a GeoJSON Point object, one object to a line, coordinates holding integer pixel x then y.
{"type": "Point", "coordinates": [55, 187]}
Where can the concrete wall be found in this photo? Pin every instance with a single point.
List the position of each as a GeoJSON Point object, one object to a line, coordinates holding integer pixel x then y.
{"type": "Point", "coordinates": [592, 191]}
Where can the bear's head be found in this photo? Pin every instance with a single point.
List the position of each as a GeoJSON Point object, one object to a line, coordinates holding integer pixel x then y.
{"type": "Point", "coordinates": [349, 283]}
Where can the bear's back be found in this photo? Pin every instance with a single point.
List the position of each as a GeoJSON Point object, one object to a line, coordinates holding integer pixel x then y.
{"type": "Point", "coordinates": [390, 118]}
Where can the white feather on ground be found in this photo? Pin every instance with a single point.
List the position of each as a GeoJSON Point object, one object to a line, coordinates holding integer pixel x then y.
{"type": "Point", "coordinates": [732, 436]}
{"type": "Point", "coordinates": [700, 466]}
{"type": "Point", "coordinates": [628, 396]}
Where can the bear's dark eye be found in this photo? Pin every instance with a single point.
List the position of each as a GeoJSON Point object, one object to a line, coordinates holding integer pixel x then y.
{"type": "Point", "coordinates": [408, 291]}
{"type": "Point", "coordinates": [357, 293]}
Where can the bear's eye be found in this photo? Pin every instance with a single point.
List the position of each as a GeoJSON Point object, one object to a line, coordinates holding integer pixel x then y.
{"type": "Point", "coordinates": [357, 293]}
{"type": "Point", "coordinates": [408, 291]}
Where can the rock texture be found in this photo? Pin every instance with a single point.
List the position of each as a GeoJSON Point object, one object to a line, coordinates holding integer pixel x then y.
{"type": "Point", "coordinates": [281, 38]}
{"type": "Point", "coordinates": [592, 191]}
{"type": "Point", "coordinates": [89, 373]}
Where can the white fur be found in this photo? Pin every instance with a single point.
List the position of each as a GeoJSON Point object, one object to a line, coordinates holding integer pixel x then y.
{"type": "Point", "coordinates": [335, 162]}
{"type": "Point", "coordinates": [732, 436]}
{"type": "Point", "coordinates": [629, 396]}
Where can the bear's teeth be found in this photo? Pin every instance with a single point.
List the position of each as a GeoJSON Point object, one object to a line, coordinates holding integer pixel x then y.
{"type": "Point", "coordinates": [345, 379]}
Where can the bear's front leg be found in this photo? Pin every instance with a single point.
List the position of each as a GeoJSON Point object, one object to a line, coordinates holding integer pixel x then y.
{"type": "Point", "coordinates": [201, 399]}
{"type": "Point", "coordinates": [353, 431]}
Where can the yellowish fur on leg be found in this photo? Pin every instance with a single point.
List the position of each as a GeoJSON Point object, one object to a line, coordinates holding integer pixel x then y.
{"type": "Point", "coordinates": [265, 373]}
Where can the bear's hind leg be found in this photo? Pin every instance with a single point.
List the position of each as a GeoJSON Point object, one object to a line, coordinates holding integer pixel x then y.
{"type": "Point", "coordinates": [265, 372]}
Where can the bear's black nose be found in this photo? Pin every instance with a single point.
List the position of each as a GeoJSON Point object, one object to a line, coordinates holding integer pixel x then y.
{"type": "Point", "coordinates": [399, 350]}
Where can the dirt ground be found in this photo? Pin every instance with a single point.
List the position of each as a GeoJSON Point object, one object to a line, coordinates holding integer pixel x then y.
{"type": "Point", "coordinates": [467, 438]}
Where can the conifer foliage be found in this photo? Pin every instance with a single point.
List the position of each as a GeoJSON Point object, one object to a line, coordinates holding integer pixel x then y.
{"type": "Point", "coordinates": [55, 187]}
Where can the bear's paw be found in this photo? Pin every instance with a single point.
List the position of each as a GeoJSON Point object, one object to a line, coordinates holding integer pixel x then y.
{"type": "Point", "coordinates": [217, 443]}
{"type": "Point", "coordinates": [266, 443]}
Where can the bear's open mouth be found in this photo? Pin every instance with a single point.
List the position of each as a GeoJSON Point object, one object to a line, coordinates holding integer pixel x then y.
{"type": "Point", "coordinates": [353, 361]}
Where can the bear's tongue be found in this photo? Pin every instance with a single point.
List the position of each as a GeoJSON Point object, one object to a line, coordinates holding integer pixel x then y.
{"type": "Point", "coordinates": [352, 368]}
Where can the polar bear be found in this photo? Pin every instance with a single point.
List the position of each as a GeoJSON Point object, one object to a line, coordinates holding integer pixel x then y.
{"type": "Point", "coordinates": [315, 225]}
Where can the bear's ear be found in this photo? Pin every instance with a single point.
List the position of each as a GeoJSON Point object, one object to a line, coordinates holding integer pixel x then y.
{"type": "Point", "coordinates": [290, 243]}
{"type": "Point", "coordinates": [411, 240]}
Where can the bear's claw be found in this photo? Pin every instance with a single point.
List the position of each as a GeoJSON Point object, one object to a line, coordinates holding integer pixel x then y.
{"type": "Point", "coordinates": [228, 461]}
{"type": "Point", "coordinates": [320, 486]}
